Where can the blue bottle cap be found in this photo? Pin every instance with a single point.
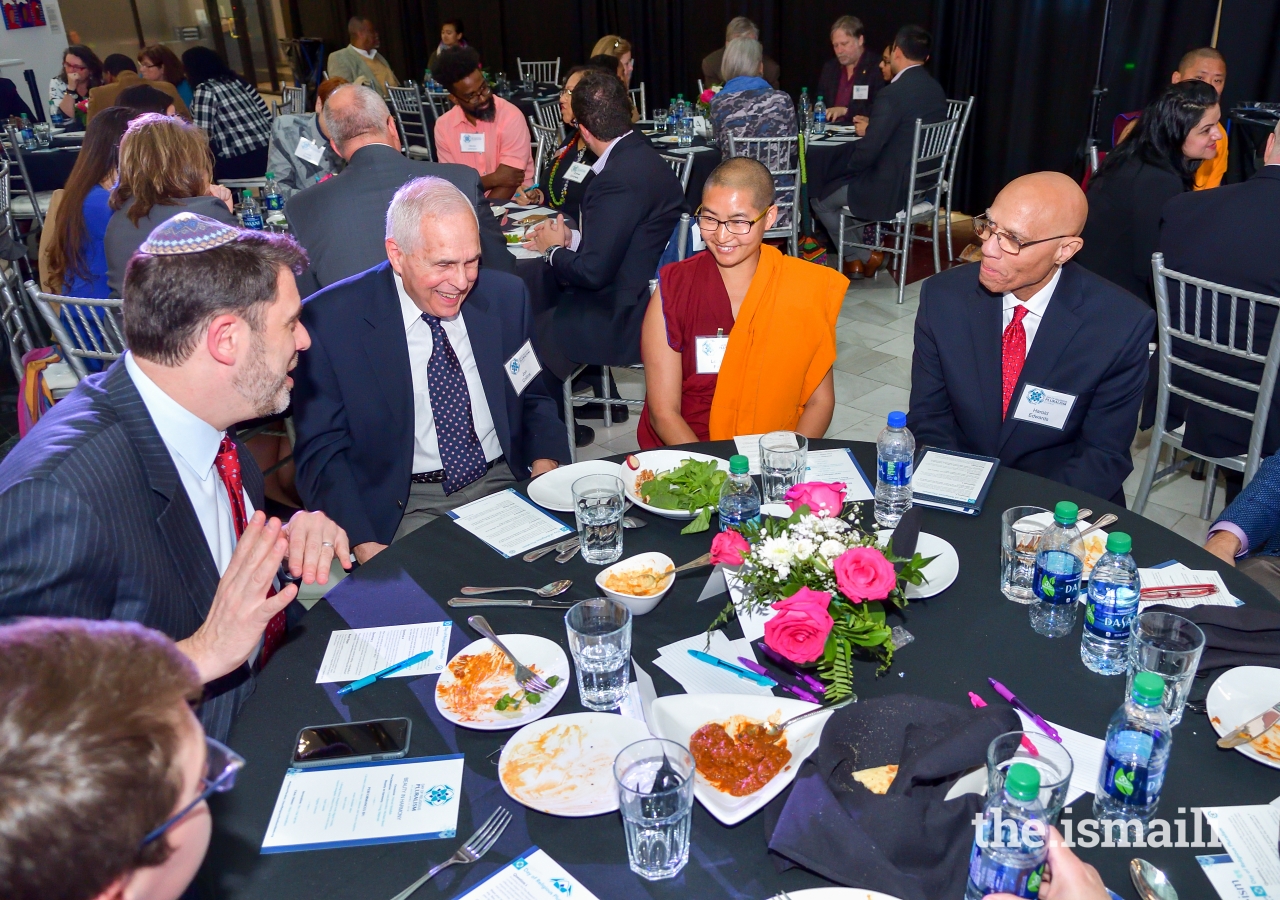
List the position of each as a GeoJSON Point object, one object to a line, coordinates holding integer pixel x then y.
{"type": "Point", "coordinates": [897, 419]}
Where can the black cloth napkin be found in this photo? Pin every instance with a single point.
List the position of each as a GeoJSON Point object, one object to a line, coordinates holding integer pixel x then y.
{"type": "Point", "coordinates": [1233, 635]}
{"type": "Point", "coordinates": [907, 534]}
{"type": "Point", "coordinates": [911, 842]}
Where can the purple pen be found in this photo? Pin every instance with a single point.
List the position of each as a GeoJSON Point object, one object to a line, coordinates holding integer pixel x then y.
{"type": "Point", "coordinates": [813, 683]}
{"type": "Point", "coordinates": [801, 693]}
{"type": "Point", "coordinates": [1018, 704]}
{"type": "Point", "coordinates": [795, 689]}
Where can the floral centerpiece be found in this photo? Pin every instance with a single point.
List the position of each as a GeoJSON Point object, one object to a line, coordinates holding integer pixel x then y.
{"type": "Point", "coordinates": [704, 100]}
{"type": "Point", "coordinates": [826, 581]}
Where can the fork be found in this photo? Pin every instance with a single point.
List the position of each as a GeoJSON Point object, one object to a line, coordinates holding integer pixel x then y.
{"type": "Point", "coordinates": [525, 676]}
{"type": "Point", "coordinates": [534, 555]}
{"type": "Point", "coordinates": [475, 847]}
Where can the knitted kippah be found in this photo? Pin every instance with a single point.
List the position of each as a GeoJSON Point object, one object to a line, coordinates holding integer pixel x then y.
{"type": "Point", "coordinates": [188, 233]}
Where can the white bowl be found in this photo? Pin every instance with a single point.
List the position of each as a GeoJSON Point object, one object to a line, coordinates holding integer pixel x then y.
{"type": "Point", "coordinates": [638, 605]}
{"type": "Point", "coordinates": [660, 462]}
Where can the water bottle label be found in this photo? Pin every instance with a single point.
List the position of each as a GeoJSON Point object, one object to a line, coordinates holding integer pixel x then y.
{"type": "Point", "coordinates": [991, 877]}
{"type": "Point", "coordinates": [1125, 783]}
{"type": "Point", "coordinates": [253, 221]}
{"type": "Point", "coordinates": [1109, 615]}
{"type": "Point", "coordinates": [1057, 589]}
{"type": "Point", "coordinates": [275, 201]}
{"type": "Point", "coordinates": [896, 473]}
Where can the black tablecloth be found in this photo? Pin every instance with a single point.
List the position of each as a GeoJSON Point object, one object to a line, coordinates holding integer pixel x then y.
{"type": "Point", "coordinates": [820, 170]}
{"type": "Point", "coordinates": [962, 636]}
{"type": "Point", "coordinates": [704, 161]}
{"type": "Point", "coordinates": [527, 101]}
{"type": "Point", "coordinates": [49, 169]}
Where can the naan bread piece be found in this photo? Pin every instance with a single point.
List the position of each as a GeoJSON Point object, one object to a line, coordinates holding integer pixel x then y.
{"type": "Point", "coordinates": [876, 780]}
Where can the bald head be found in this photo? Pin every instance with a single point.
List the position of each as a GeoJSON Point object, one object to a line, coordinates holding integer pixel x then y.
{"type": "Point", "coordinates": [1041, 215]}
{"type": "Point", "coordinates": [742, 173]}
{"type": "Point", "coordinates": [354, 116]}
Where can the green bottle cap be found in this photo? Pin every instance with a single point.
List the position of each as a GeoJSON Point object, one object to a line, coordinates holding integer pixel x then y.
{"type": "Point", "coordinates": [1066, 512]}
{"type": "Point", "coordinates": [1148, 689]}
{"type": "Point", "coordinates": [271, 175]}
{"type": "Point", "coordinates": [1022, 782]}
{"type": "Point", "coordinates": [246, 194]}
{"type": "Point", "coordinates": [1119, 542]}
{"type": "Point", "coordinates": [739, 464]}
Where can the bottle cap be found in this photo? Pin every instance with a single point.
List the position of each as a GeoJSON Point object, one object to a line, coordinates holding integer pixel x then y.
{"type": "Point", "coordinates": [1119, 542]}
{"type": "Point", "coordinates": [897, 419]}
{"type": "Point", "coordinates": [271, 175]}
{"type": "Point", "coordinates": [1022, 782]}
{"type": "Point", "coordinates": [739, 464]}
{"type": "Point", "coordinates": [246, 194]}
{"type": "Point", "coordinates": [1148, 689]}
{"type": "Point", "coordinates": [1066, 512]}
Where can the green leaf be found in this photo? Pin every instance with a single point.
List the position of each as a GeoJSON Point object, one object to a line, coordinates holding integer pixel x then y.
{"type": "Point", "coordinates": [553, 680]}
{"type": "Point", "coordinates": [503, 702]}
{"type": "Point", "coordinates": [701, 522]}
{"type": "Point", "coordinates": [693, 485]}
{"type": "Point", "coordinates": [532, 697]}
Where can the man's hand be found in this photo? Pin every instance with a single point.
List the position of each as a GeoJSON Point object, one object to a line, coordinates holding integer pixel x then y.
{"type": "Point", "coordinates": [836, 112]}
{"type": "Point", "coordinates": [241, 608]}
{"type": "Point", "coordinates": [860, 125]}
{"type": "Point", "coordinates": [529, 197]}
{"type": "Point", "coordinates": [1224, 545]}
{"type": "Point", "coordinates": [368, 550]}
{"type": "Point", "coordinates": [314, 541]}
{"type": "Point", "coordinates": [542, 467]}
{"type": "Point", "coordinates": [547, 234]}
{"type": "Point", "coordinates": [1066, 877]}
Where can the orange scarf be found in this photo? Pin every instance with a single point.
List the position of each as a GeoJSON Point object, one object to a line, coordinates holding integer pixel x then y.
{"type": "Point", "coordinates": [782, 345]}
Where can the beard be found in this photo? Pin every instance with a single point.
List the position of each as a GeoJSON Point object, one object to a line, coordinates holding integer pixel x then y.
{"type": "Point", "coordinates": [488, 112]}
{"type": "Point", "coordinates": [266, 390]}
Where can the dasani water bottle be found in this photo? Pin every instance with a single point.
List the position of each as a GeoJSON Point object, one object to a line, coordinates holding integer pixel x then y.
{"type": "Point", "coordinates": [739, 498]}
{"type": "Point", "coordinates": [250, 214]}
{"type": "Point", "coordinates": [1139, 740]}
{"type": "Point", "coordinates": [1056, 582]}
{"type": "Point", "coordinates": [819, 118]}
{"type": "Point", "coordinates": [1113, 602]}
{"type": "Point", "coordinates": [1009, 853]}
{"type": "Point", "coordinates": [895, 455]}
{"type": "Point", "coordinates": [275, 201]}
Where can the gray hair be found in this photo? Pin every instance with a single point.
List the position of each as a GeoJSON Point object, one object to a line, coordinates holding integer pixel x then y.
{"type": "Point", "coordinates": [742, 56]}
{"type": "Point", "coordinates": [850, 25]}
{"type": "Point", "coordinates": [366, 113]}
{"type": "Point", "coordinates": [422, 198]}
{"type": "Point", "coordinates": [739, 27]}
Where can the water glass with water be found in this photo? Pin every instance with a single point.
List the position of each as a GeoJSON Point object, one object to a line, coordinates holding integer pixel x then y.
{"type": "Point", "coordinates": [784, 456]}
{"type": "Point", "coordinates": [660, 120]}
{"type": "Point", "coordinates": [1045, 754]}
{"type": "Point", "coordinates": [1019, 539]}
{"type": "Point", "coordinates": [44, 137]}
{"type": "Point", "coordinates": [684, 131]}
{"type": "Point", "coordinates": [1170, 646]}
{"type": "Point", "coordinates": [655, 795]}
{"type": "Point", "coordinates": [600, 641]}
{"type": "Point", "coordinates": [598, 502]}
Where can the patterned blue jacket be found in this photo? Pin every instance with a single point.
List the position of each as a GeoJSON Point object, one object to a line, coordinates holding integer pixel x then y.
{"type": "Point", "coordinates": [1256, 511]}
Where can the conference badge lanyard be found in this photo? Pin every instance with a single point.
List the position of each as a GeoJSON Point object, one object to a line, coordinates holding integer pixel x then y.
{"type": "Point", "coordinates": [309, 150]}
{"type": "Point", "coordinates": [577, 172]}
{"type": "Point", "coordinates": [471, 143]}
{"type": "Point", "coordinates": [710, 352]}
{"type": "Point", "coordinates": [1044, 407]}
{"type": "Point", "coordinates": [523, 367]}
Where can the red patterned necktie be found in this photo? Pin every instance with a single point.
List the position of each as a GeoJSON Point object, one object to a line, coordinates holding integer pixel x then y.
{"type": "Point", "coordinates": [228, 465]}
{"type": "Point", "coordinates": [1013, 350]}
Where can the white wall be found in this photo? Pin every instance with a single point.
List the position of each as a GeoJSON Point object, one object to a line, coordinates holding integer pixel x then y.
{"type": "Point", "coordinates": [39, 48]}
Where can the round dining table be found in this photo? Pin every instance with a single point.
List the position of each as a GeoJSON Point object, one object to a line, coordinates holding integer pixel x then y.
{"type": "Point", "coordinates": [963, 635]}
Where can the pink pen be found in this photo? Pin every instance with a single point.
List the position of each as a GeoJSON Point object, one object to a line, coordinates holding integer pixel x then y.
{"type": "Point", "coordinates": [979, 703]}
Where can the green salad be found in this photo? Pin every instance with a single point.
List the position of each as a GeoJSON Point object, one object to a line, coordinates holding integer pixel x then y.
{"type": "Point", "coordinates": [694, 486]}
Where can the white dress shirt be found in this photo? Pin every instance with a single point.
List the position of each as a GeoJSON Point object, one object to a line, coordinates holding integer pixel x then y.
{"type": "Point", "coordinates": [367, 54]}
{"type": "Point", "coordinates": [426, 447]}
{"type": "Point", "coordinates": [575, 237]}
{"type": "Point", "coordinates": [1036, 305]}
{"type": "Point", "coordinates": [900, 71]}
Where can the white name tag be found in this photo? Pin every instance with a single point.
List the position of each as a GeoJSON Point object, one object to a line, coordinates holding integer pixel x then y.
{"type": "Point", "coordinates": [309, 150]}
{"type": "Point", "coordinates": [861, 91]}
{"type": "Point", "coordinates": [523, 367]}
{"type": "Point", "coordinates": [710, 353]}
{"type": "Point", "coordinates": [1044, 407]}
{"type": "Point", "coordinates": [699, 126]}
{"type": "Point", "coordinates": [577, 172]}
{"type": "Point", "coordinates": [471, 143]}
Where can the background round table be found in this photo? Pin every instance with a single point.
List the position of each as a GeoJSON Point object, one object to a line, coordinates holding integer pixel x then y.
{"type": "Point", "coordinates": [50, 167]}
{"type": "Point", "coordinates": [963, 635]}
{"type": "Point", "coordinates": [704, 162]}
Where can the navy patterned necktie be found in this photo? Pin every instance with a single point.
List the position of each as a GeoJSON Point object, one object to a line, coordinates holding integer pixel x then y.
{"type": "Point", "coordinates": [461, 455]}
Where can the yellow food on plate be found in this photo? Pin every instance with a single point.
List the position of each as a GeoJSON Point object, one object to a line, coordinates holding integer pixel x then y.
{"type": "Point", "coordinates": [1095, 545]}
{"type": "Point", "coordinates": [876, 780]}
{"type": "Point", "coordinates": [638, 582]}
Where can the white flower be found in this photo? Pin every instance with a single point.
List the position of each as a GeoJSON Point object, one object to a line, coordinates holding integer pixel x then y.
{"type": "Point", "coordinates": [775, 552]}
{"type": "Point", "coordinates": [831, 526]}
{"type": "Point", "coordinates": [831, 549]}
{"type": "Point", "coordinates": [802, 549]}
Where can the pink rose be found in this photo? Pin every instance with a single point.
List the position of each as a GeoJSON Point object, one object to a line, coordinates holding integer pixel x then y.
{"type": "Point", "coordinates": [862, 573]}
{"type": "Point", "coordinates": [823, 499]}
{"type": "Point", "coordinates": [800, 628]}
{"type": "Point", "coordinates": [706, 95]}
{"type": "Point", "coordinates": [728, 547]}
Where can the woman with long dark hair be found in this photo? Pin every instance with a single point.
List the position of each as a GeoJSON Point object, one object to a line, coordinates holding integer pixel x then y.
{"type": "Point", "coordinates": [1126, 195]}
{"type": "Point", "coordinates": [231, 112]}
{"type": "Point", "coordinates": [69, 89]}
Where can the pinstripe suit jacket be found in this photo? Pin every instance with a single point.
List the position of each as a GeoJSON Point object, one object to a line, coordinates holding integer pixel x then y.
{"type": "Point", "coordinates": [95, 524]}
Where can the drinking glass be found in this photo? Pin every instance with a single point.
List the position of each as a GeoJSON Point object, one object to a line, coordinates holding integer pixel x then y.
{"type": "Point", "coordinates": [660, 120]}
{"type": "Point", "coordinates": [1018, 541]}
{"type": "Point", "coordinates": [600, 641]}
{"type": "Point", "coordinates": [1050, 757]}
{"type": "Point", "coordinates": [784, 455]}
{"type": "Point", "coordinates": [656, 822]}
{"type": "Point", "coordinates": [1170, 646]}
{"type": "Point", "coordinates": [44, 137]}
{"type": "Point", "coordinates": [598, 501]}
{"type": "Point", "coordinates": [684, 130]}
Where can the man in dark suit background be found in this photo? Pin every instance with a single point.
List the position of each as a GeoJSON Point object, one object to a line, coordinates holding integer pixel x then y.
{"type": "Point", "coordinates": [1027, 356]}
{"type": "Point", "coordinates": [874, 170]}
{"type": "Point", "coordinates": [851, 79]}
{"type": "Point", "coordinates": [340, 221]}
{"type": "Point", "coordinates": [131, 498]}
{"type": "Point", "coordinates": [411, 402]}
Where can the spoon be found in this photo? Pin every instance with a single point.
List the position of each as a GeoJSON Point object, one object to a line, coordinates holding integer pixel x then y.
{"type": "Point", "coordinates": [1151, 883]}
{"type": "Point", "coordinates": [553, 589]}
{"type": "Point", "coordinates": [1101, 523]}
{"type": "Point", "coordinates": [773, 730]}
{"type": "Point", "coordinates": [703, 560]}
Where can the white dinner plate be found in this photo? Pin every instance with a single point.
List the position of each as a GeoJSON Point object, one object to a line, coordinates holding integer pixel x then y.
{"type": "Point", "coordinates": [941, 572]}
{"type": "Point", "coordinates": [554, 490]}
{"type": "Point", "coordinates": [678, 716]}
{"type": "Point", "coordinates": [838, 893]}
{"type": "Point", "coordinates": [564, 765]}
{"type": "Point", "coordinates": [1095, 543]}
{"type": "Point", "coordinates": [1241, 694]}
{"type": "Point", "coordinates": [543, 656]}
{"type": "Point", "coordinates": [668, 139]}
{"type": "Point", "coordinates": [660, 462]}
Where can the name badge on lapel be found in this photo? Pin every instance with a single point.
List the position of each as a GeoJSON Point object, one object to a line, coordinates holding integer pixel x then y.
{"type": "Point", "coordinates": [861, 91]}
{"type": "Point", "coordinates": [710, 353]}
{"type": "Point", "coordinates": [309, 150]}
{"type": "Point", "coordinates": [1044, 407]}
{"type": "Point", "coordinates": [577, 172]}
{"type": "Point", "coordinates": [523, 367]}
{"type": "Point", "coordinates": [471, 143]}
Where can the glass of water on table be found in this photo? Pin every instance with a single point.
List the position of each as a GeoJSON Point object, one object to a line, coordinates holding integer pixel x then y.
{"type": "Point", "coordinates": [784, 457]}
{"type": "Point", "coordinates": [655, 795]}
{"type": "Point", "coordinates": [600, 641]}
{"type": "Point", "coordinates": [598, 502]}
{"type": "Point", "coordinates": [1170, 646]}
{"type": "Point", "coordinates": [660, 121]}
{"type": "Point", "coordinates": [1019, 539]}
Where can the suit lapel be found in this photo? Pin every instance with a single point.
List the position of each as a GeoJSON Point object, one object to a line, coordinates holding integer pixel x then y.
{"type": "Point", "coordinates": [387, 348]}
{"type": "Point", "coordinates": [985, 323]}
{"type": "Point", "coordinates": [484, 331]}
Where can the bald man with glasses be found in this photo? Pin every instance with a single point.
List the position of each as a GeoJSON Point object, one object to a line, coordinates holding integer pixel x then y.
{"type": "Point", "coordinates": [1027, 356]}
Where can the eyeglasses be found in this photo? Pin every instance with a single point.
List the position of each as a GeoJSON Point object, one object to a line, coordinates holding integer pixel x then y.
{"type": "Point", "coordinates": [75, 67]}
{"type": "Point", "coordinates": [711, 224]}
{"type": "Point", "coordinates": [483, 91]}
{"type": "Point", "coordinates": [221, 765]}
{"type": "Point", "coordinates": [983, 229]}
{"type": "Point", "coordinates": [566, 92]}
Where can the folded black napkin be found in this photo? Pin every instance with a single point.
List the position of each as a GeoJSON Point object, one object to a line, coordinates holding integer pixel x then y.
{"type": "Point", "coordinates": [1233, 635]}
{"type": "Point", "coordinates": [907, 534]}
{"type": "Point", "coordinates": [911, 842]}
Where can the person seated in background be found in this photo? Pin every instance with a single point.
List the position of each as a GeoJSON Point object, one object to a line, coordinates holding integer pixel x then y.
{"type": "Point", "coordinates": [132, 500]}
{"type": "Point", "coordinates": [143, 98]}
{"type": "Point", "coordinates": [164, 169]}
{"type": "Point", "coordinates": [232, 114]}
{"type": "Point", "coordinates": [1028, 356]}
{"type": "Point", "coordinates": [886, 65]}
{"type": "Point", "coordinates": [341, 220]}
{"type": "Point", "coordinates": [482, 131]}
{"type": "Point", "coordinates": [122, 74]}
{"type": "Point", "coordinates": [620, 49]}
{"type": "Point", "coordinates": [1247, 533]}
{"type": "Point", "coordinates": [104, 769]}
{"type": "Point", "coordinates": [424, 339]}
{"type": "Point", "coordinates": [747, 106]}
{"type": "Point", "coordinates": [300, 154]}
{"type": "Point", "coordinates": [738, 27]}
{"type": "Point", "coordinates": [11, 102]}
{"type": "Point", "coordinates": [849, 81]}
{"type": "Point", "coordinates": [360, 62]}
{"type": "Point", "coordinates": [159, 63]}
{"type": "Point", "coordinates": [452, 34]}
{"type": "Point", "coordinates": [69, 89]}
{"type": "Point", "coordinates": [773, 317]}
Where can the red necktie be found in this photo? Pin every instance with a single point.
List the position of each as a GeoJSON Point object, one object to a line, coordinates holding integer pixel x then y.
{"type": "Point", "coordinates": [1013, 350]}
{"type": "Point", "coordinates": [228, 465]}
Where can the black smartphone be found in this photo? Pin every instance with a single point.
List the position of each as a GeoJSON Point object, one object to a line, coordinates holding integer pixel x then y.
{"type": "Point", "coordinates": [351, 742]}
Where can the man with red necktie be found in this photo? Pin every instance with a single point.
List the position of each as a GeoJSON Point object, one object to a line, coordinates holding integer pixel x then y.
{"type": "Point", "coordinates": [1027, 356]}
{"type": "Point", "coordinates": [131, 499]}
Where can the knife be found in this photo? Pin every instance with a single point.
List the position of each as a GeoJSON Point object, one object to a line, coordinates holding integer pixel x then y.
{"type": "Point", "coordinates": [1251, 730]}
{"type": "Point", "coordinates": [472, 602]}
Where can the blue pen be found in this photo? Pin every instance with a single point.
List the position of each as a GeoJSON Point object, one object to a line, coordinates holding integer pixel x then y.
{"type": "Point", "coordinates": [762, 680]}
{"type": "Point", "coordinates": [389, 670]}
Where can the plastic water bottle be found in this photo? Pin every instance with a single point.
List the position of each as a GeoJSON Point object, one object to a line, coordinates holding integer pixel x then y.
{"type": "Point", "coordinates": [1015, 836]}
{"type": "Point", "coordinates": [804, 110]}
{"type": "Point", "coordinates": [895, 462]}
{"type": "Point", "coordinates": [275, 201]}
{"type": "Point", "coordinates": [673, 118]}
{"type": "Point", "coordinates": [681, 106]}
{"type": "Point", "coordinates": [27, 134]}
{"type": "Point", "coordinates": [1113, 602]}
{"type": "Point", "coordinates": [739, 497]}
{"type": "Point", "coordinates": [685, 132]}
{"type": "Point", "coordinates": [1139, 739]}
{"type": "Point", "coordinates": [250, 214]}
{"type": "Point", "coordinates": [819, 118]}
{"type": "Point", "coordinates": [1056, 582]}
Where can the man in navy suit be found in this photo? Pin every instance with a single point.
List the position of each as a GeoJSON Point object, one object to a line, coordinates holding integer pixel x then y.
{"type": "Point", "coordinates": [410, 402]}
{"type": "Point", "coordinates": [1027, 356]}
{"type": "Point", "coordinates": [131, 498]}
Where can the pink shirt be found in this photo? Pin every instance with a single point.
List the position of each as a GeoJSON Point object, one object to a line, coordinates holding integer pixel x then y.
{"type": "Point", "coordinates": [506, 140]}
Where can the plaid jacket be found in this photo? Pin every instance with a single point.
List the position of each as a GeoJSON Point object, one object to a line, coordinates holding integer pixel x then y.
{"type": "Point", "coordinates": [234, 116]}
